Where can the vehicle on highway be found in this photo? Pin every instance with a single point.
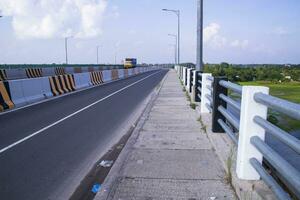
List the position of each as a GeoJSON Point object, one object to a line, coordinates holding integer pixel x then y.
{"type": "Point", "coordinates": [130, 63]}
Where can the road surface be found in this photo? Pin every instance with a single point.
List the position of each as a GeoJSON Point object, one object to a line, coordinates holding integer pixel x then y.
{"type": "Point", "coordinates": [47, 149]}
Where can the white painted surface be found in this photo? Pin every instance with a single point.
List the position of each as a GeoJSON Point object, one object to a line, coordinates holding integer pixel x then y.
{"type": "Point", "coordinates": [248, 128]}
{"type": "Point", "coordinates": [204, 92]}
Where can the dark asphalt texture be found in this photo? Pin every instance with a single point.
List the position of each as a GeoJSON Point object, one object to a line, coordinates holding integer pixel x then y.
{"type": "Point", "coordinates": [40, 166]}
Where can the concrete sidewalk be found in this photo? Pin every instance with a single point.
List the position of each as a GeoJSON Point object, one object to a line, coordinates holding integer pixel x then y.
{"type": "Point", "coordinates": [171, 157]}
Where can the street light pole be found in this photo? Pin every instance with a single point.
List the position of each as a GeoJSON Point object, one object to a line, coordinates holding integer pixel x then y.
{"type": "Point", "coordinates": [176, 46]}
{"type": "Point", "coordinates": [66, 48]}
{"type": "Point", "coordinates": [199, 62]}
{"type": "Point", "coordinates": [98, 54]}
{"type": "Point", "coordinates": [177, 12]}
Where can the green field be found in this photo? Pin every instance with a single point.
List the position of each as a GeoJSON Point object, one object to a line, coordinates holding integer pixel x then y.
{"type": "Point", "coordinates": [287, 90]}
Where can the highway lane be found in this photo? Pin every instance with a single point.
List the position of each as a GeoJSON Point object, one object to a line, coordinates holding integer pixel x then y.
{"type": "Point", "coordinates": [51, 164]}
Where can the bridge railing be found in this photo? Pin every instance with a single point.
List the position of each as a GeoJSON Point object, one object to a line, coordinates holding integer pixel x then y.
{"type": "Point", "coordinates": [241, 112]}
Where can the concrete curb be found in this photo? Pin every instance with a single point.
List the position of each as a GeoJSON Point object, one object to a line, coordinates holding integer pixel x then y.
{"type": "Point", "coordinates": [111, 182]}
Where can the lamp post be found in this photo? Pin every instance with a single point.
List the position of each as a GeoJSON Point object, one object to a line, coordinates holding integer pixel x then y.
{"type": "Point", "coordinates": [175, 48]}
{"type": "Point", "coordinates": [199, 62]}
{"type": "Point", "coordinates": [66, 47]}
{"type": "Point", "coordinates": [177, 12]}
{"type": "Point", "coordinates": [176, 39]}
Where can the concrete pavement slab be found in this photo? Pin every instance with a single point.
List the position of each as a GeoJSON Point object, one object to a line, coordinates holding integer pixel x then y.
{"type": "Point", "coordinates": [174, 164]}
{"type": "Point", "coordinates": [165, 189]}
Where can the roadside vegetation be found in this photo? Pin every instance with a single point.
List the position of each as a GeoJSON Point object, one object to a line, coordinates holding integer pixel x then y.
{"type": "Point", "coordinates": [286, 90]}
{"type": "Point", "coordinates": [283, 81]}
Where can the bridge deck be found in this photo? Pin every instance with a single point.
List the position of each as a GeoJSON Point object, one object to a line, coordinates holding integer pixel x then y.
{"type": "Point", "coordinates": [172, 157]}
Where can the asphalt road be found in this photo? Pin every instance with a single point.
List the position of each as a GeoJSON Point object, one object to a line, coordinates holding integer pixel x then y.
{"type": "Point", "coordinates": [46, 149]}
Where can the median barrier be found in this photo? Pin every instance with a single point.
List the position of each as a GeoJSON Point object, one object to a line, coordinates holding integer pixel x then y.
{"type": "Point", "coordinates": [91, 69]}
{"type": "Point", "coordinates": [59, 71]}
{"type": "Point", "coordinates": [121, 73]}
{"type": "Point", "coordinates": [84, 69]}
{"type": "Point", "coordinates": [70, 70]}
{"type": "Point", "coordinates": [130, 72]}
{"type": "Point", "coordinates": [5, 100]}
{"type": "Point", "coordinates": [82, 80]}
{"type": "Point", "coordinates": [3, 76]}
{"type": "Point", "coordinates": [49, 71]}
{"type": "Point", "coordinates": [126, 73]}
{"type": "Point", "coordinates": [34, 72]}
{"type": "Point", "coordinates": [16, 92]}
{"type": "Point", "coordinates": [114, 74]}
{"type": "Point", "coordinates": [26, 91]}
{"type": "Point", "coordinates": [77, 70]}
{"type": "Point", "coordinates": [106, 75]}
{"type": "Point", "coordinates": [57, 86]}
{"type": "Point", "coordinates": [96, 77]}
{"type": "Point", "coordinates": [16, 74]}
{"type": "Point", "coordinates": [35, 89]}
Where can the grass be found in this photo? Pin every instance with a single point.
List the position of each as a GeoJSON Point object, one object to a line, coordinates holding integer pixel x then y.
{"type": "Point", "coordinates": [287, 90]}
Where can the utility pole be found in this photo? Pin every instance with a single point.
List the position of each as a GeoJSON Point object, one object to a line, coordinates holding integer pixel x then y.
{"type": "Point", "coordinates": [199, 63]}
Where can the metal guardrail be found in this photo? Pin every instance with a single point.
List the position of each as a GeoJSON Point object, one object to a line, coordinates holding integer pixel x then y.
{"type": "Point", "coordinates": [217, 100]}
{"type": "Point", "coordinates": [287, 174]}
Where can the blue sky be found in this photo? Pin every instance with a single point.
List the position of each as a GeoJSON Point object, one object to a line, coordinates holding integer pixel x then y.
{"type": "Point", "coordinates": [256, 31]}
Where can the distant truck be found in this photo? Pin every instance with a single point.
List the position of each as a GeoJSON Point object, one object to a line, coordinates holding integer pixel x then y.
{"type": "Point", "coordinates": [130, 63]}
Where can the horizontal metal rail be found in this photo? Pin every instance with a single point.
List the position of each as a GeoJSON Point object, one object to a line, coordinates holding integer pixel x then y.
{"type": "Point", "coordinates": [208, 107]}
{"type": "Point", "coordinates": [230, 117]}
{"type": "Point", "coordinates": [230, 101]}
{"type": "Point", "coordinates": [199, 81]}
{"type": "Point", "coordinates": [269, 180]}
{"type": "Point", "coordinates": [290, 175]}
{"type": "Point", "coordinates": [209, 98]}
{"type": "Point", "coordinates": [232, 86]}
{"type": "Point", "coordinates": [228, 131]}
{"type": "Point", "coordinates": [209, 88]}
{"type": "Point", "coordinates": [280, 134]}
{"type": "Point", "coordinates": [283, 106]}
{"type": "Point", "coordinates": [199, 88]}
{"type": "Point", "coordinates": [199, 96]}
{"type": "Point", "coordinates": [210, 78]}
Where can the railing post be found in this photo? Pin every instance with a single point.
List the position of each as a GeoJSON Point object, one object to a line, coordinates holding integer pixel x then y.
{"type": "Point", "coordinates": [248, 128]}
{"type": "Point", "coordinates": [197, 78]}
{"type": "Point", "coordinates": [188, 77]}
{"type": "Point", "coordinates": [191, 80]}
{"type": "Point", "coordinates": [217, 101]}
{"type": "Point", "coordinates": [205, 91]}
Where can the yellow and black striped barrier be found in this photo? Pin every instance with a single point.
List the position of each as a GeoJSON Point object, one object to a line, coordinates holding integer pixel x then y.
{"type": "Point", "coordinates": [62, 84]}
{"type": "Point", "coordinates": [96, 77]}
{"type": "Point", "coordinates": [34, 72]}
{"type": "Point", "coordinates": [5, 100]}
{"type": "Point", "coordinates": [3, 76]}
{"type": "Point", "coordinates": [60, 71]}
{"type": "Point", "coordinates": [114, 74]}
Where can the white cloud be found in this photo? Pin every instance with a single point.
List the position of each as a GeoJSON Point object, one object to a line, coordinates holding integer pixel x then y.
{"type": "Point", "coordinates": [240, 44]}
{"type": "Point", "coordinates": [212, 37]}
{"type": "Point", "coordinates": [55, 18]}
{"type": "Point", "coordinates": [280, 31]}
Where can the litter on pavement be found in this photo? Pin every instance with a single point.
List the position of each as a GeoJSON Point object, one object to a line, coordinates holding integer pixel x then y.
{"type": "Point", "coordinates": [96, 188]}
{"type": "Point", "coordinates": [106, 163]}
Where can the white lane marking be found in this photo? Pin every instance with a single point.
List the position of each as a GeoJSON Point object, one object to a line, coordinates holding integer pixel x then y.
{"type": "Point", "coordinates": [71, 115]}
